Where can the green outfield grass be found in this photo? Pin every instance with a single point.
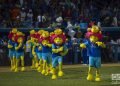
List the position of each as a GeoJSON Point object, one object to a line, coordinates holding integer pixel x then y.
{"type": "Point", "coordinates": [75, 75]}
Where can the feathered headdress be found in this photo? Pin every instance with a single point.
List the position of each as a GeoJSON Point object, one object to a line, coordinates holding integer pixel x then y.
{"type": "Point", "coordinates": [94, 31]}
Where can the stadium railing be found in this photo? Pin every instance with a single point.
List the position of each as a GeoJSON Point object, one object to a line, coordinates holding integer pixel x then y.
{"type": "Point", "coordinates": [82, 29]}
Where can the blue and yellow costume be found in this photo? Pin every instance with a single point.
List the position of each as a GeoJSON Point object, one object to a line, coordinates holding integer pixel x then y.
{"type": "Point", "coordinates": [12, 53]}
{"type": "Point", "coordinates": [59, 49]}
{"type": "Point", "coordinates": [19, 47]}
{"type": "Point", "coordinates": [46, 52]}
{"type": "Point", "coordinates": [38, 50]}
{"type": "Point", "coordinates": [94, 46]}
{"type": "Point", "coordinates": [11, 47]}
{"type": "Point", "coordinates": [32, 42]}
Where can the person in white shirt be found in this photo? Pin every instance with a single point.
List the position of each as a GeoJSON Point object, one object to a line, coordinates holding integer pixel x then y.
{"type": "Point", "coordinates": [22, 15]}
{"type": "Point", "coordinates": [40, 20]}
{"type": "Point", "coordinates": [30, 15]}
{"type": "Point", "coordinates": [115, 21]}
{"type": "Point", "coordinates": [59, 21]}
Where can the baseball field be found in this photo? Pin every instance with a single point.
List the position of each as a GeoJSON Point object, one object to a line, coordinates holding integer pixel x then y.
{"type": "Point", "coordinates": [75, 75]}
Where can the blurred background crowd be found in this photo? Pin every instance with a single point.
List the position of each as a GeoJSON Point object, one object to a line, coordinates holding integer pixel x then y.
{"type": "Point", "coordinates": [43, 13]}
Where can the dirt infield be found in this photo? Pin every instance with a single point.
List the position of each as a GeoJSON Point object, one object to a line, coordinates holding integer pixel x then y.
{"type": "Point", "coordinates": [7, 69]}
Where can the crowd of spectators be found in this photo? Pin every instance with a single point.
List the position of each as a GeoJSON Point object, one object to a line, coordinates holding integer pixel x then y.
{"type": "Point", "coordinates": [43, 13]}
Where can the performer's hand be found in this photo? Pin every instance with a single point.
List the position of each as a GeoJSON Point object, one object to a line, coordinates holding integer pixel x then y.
{"type": "Point", "coordinates": [101, 44]}
{"type": "Point", "coordinates": [60, 49]}
{"type": "Point", "coordinates": [49, 45]}
{"type": "Point", "coordinates": [16, 48]}
{"type": "Point", "coordinates": [54, 50]}
{"type": "Point", "coordinates": [10, 46]}
{"type": "Point", "coordinates": [64, 53]}
{"type": "Point", "coordinates": [40, 48]}
{"type": "Point", "coordinates": [82, 45]}
{"type": "Point", "coordinates": [33, 53]}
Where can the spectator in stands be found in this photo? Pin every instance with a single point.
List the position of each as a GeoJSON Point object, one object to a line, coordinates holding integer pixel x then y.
{"type": "Point", "coordinates": [15, 15]}
{"type": "Point", "coordinates": [29, 18]}
{"type": "Point", "coordinates": [22, 16]}
{"type": "Point", "coordinates": [118, 49]}
{"type": "Point", "coordinates": [114, 46]}
{"type": "Point", "coordinates": [59, 21]}
{"type": "Point", "coordinates": [115, 22]}
{"type": "Point", "coordinates": [40, 20]}
{"type": "Point", "coordinates": [70, 9]}
{"type": "Point", "coordinates": [107, 21]}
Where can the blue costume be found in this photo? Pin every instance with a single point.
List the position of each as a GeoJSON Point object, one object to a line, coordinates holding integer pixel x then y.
{"type": "Point", "coordinates": [56, 57]}
{"type": "Point", "coordinates": [94, 53]}
{"type": "Point", "coordinates": [20, 51]}
{"type": "Point", "coordinates": [12, 52]}
{"type": "Point", "coordinates": [46, 53]}
{"type": "Point", "coordinates": [38, 51]}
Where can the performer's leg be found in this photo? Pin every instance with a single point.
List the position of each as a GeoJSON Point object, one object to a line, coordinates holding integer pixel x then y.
{"type": "Point", "coordinates": [97, 75]}
{"type": "Point", "coordinates": [36, 61]}
{"type": "Point", "coordinates": [12, 65]}
{"type": "Point", "coordinates": [91, 64]}
{"type": "Point", "coordinates": [33, 63]}
{"type": "Point", "coordinates": [14, 61]}
{"type": "Point", "coordinates": [60, 73]}
{"type": "Point", "coordinates": [54, 65]}
{"type": "Point", "coordinates": [22, 63]}
{"type": "Point", "coordinates": [44, 66]}
{"type": "Point", "coordinates": [54, 76]}
{"type": "Point", "coordinates": [90, 76]}
{"type": "Point", "coordinates": [40, 67]}
{"type": "Point", "coordinates": [16, 64]}
{"type": "Point", "coordinates": [98, 65]}
{"type": "Point", "coordinates": [47, 69]}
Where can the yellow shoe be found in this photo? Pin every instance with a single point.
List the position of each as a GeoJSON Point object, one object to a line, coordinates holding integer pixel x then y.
{"type": "Point", "coordinates": [38, 69]}
{"type": "Point", "coordinates": [43, 72]}
{"type": "Point", "coordinates": [54, 77]}
{"type": "Point", "coordinates": [60, 73]}
{"type": "Point", "coordinates": [23, 69]}
{"type": "Point", "coordinates": [90, 77]}
{"type": "Point", "coordinates": [16, 70]}
{"type": "Point", "coordinates": [46, 74]}
{"type": "Point", "coordinates": [12, 69]}
{"type": "Point", "coordinates": [36, 65]}
{"type": "Point", "coordinates": [32, 67]}
{"type": "Point", "coordinates": [51, 72]}
{"type": "Point", "coordinates": [97, 78]}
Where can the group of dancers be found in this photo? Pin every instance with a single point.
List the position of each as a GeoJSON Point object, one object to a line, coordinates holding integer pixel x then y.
{"type": "Point", "coordinates": [49, 48]}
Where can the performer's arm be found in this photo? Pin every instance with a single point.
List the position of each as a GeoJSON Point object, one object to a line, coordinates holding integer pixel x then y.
{"type": "Point", "coordinates": [17, 47]}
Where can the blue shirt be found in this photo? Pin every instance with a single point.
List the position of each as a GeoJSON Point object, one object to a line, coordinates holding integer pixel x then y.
{"type": "Point", "coordinates": [21, 49]}
{"type": "Point", "coordinates": [93, 49]}
{"type": "Point", "coordinates": [12, 43]}
{"type": "Point", "coordinates": [37, 49]}
{"type": "Point", "coordinates": [54, 46]}
{"type": "Point", "coordinates": [46, 49]}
